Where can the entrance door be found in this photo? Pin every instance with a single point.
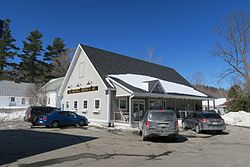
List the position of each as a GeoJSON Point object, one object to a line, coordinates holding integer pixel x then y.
{"type": "Point", "coordinates": [138, 109]}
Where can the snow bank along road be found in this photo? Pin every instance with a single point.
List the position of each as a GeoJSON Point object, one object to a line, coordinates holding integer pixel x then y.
{"type": "Point", "coordinates": [26, 147]}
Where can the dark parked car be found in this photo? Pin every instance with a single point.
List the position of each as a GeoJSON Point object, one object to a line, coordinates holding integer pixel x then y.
{"type": "Point", "coordinates": [204, 121]}
{"type": "Point", "coordinates": [62, 118]}
{"type": "Point", "coordinates": [159, 123]}
{"type": "Point", "coordinates": [33, 112]}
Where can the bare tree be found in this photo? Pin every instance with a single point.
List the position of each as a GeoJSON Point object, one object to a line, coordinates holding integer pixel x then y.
{"type": "Point", "coordinates": [37, 95]}
{"type": "Point", "coordinates": [234, 50]}
{"type": "Point", "coordinates": [61, 63]}
{"type": "Point", "coordinates": [197, 78]}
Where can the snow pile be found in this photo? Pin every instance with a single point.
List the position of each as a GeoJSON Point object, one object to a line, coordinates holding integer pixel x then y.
{"type": "Point", "coordinates": [141, 81]}
{"type": "Point", "coordinates": [240, 118]}
{"type": "Point", "coordinates": [14, 107]}
{"type": "Point", "coordinates": [11, 116]}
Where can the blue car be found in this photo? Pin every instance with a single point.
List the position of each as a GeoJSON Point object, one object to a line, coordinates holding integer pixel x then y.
{"type": "Point", "coordinates": [62, 118]}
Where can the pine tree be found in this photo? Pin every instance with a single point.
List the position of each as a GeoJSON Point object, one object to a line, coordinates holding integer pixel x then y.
{"type": "Point", "coordinates": [56, 49]}
{"type": "Point", "coordinates": [31, 68]}
{"type": "Point", "coordinates": [7, 50]}
{"type": "Point", "coordinates": [238, 100]}
{"type": "Point", "coordinates": [58, 59]}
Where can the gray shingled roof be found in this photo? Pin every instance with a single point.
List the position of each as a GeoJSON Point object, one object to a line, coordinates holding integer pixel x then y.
{"type": "Point", "coordinates": [11, 88]}
{"type": "Point", "coordinates": [107, 63]}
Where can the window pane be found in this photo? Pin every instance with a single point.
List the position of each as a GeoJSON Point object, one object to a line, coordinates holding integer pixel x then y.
{"type": "Point", "coordinates": [123, 104]}
{"type": "Point", "coordinates": [85, 104]}
{"type": "Point", "coordinates": [67, 104]}
{"type": "Point", "coordinates": [23, 100]}
{"type": "Point", "coordinates": [12, 99]}
{"type": "Point", "coordinates": [75, 104]}
{"type": "Point", "coordinates": [97, 104]}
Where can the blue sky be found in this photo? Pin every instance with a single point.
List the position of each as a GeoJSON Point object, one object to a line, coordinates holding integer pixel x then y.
{"type": "Point", "coordinates": [180, 31]}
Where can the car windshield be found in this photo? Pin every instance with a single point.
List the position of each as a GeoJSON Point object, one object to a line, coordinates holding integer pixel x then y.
{"type": "Point", "coordinates": [210, 115]}
{"type": "Point", "coordinates": [161, 116]}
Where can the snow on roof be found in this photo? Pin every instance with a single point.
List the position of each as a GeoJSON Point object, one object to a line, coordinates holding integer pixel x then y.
{"type": "Point", "coordinates": [218, 102]}
{"type": "Point", "coordinates": [141, 81]}
{"type": "Point", "coordinates": [53, 84]}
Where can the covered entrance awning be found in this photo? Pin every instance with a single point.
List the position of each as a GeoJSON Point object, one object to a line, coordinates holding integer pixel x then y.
{"type": "Point", "coordinates": [139, 91]}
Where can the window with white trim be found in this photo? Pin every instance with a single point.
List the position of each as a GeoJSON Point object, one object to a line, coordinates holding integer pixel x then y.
{"type": "Point", "coordinates": [48, 100]}
{"type": "Point", "coordinates": [97, 104]}
{"type": "Point", "coordinates": [23, 101]}
{"type": "Point", "coordinates": [67, 104]}
{"type": "Point", "coordinates": [75, 104]}
{"type": "Point", "coordinates": [12, 99]}
{"type": "Point", "coordinates": [85, 104]}
{"type": "Point", "coordinates": [123, 104]}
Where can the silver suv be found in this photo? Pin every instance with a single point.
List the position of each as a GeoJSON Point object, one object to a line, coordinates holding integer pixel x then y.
{"type": "Point", "coordinates": [159, 123]}
{"type": "Point", "coordinates": [204, 121]}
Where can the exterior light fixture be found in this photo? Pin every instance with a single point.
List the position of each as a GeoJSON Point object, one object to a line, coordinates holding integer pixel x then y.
{"type": "Point", "coordinates": [70, 86]}
{"type": "Point", "coordinates": [78, 85]}
{"type": "Point", "coordinates": [89, 82]}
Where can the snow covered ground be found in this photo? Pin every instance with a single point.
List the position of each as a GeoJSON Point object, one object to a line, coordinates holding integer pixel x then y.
{"type": "Point", "coordinates": [11, 116]}
{"type": "Point", "coordinates": [240, 118]}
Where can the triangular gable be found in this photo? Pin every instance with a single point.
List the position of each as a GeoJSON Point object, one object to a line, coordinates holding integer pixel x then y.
{"type": "Point", "coordinates": [72, 66]}
{"type": "Point", "coordinates": [155, 87]}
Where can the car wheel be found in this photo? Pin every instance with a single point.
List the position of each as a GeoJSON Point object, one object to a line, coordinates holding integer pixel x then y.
{"type": "Point", "coordinates": [55, 124]}
{"type": "Point", "coordinates": [35, 122]}
{"type": "Point", "coordinates": [81, 123]}
{"type": "Point", "coordinates": [139, 132]}
{"type": "Point", "coordinates": [197, 128]}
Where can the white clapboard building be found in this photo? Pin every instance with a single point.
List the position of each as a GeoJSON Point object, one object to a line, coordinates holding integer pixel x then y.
{"type": "Point", "coordinates": [109, 87]}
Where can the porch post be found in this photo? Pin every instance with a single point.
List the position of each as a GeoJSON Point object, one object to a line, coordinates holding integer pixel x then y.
{"type": "Point", "coordinates": [110, 123]}
{"type": "Point", "coordinates": [185, 107]}
{"type": "Point", "coordinates": [130, 110]}
{"type": "Point", "coordinates": [208, 106]}
{"type": "Point", "coordinates": [214, 103]}
{"type": "Point", "coordinates": [175, 105]}
{"type": "Point", "coordinates": [194, 104]}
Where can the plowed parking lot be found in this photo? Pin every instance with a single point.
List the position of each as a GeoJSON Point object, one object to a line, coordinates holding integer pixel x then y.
{"type": "Point", "coordinates": [92, 146]}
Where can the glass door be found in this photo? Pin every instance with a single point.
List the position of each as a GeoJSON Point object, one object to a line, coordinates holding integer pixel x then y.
{"type": "Point", "coordinates": [138, 107]}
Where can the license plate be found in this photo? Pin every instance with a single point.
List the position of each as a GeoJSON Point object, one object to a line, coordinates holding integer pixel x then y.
{"type": "Point", "coordinates": [162, 125]}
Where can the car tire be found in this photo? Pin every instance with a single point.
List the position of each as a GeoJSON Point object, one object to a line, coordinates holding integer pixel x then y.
{"type": "Point", "coordinates": [197, 128]}
{"type": "Point", "coordinates": [81, 122]}
{"type": "Point", "coordinates": [55, 124]}
{"type": "Point", "coordinates": [139, 132]}
{"type": "Point", "coordinates": [35, 122]}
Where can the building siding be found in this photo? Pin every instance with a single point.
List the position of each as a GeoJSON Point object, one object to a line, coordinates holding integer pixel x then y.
{"type": "Point", "coordinates": [88, 76]}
